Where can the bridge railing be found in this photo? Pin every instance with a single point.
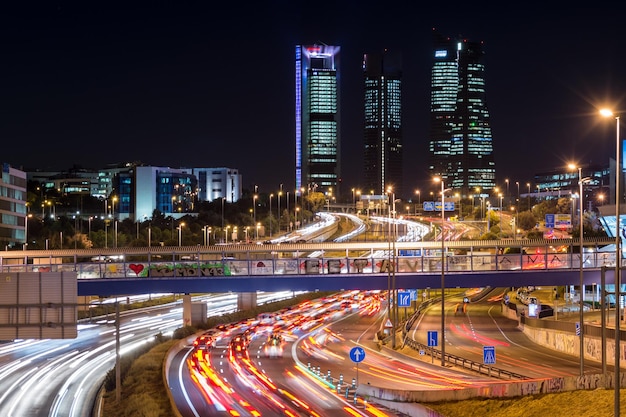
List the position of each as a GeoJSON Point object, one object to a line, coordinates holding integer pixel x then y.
{"type": "Point", "coordinates": [295, 265]}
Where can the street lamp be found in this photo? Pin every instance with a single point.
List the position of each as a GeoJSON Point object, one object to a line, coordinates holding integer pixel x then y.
{"type": "Point", "coordinates": [280, 193]}
{"type": "Point", "coordinates": [223, 198]}
{"type": "Point", "coordinates": [271, 195]}
{"type": "Point", "coordinates": [26, 230]}
{"type": "Point", "coordinates": [296, 216]}
{"type": "Point", "coordinates": [500, 233]}
{"type": "Point", "coordinates": [254, 209]}
{"type": "Point", "coordinates": [180, 233]}
{"type": "Point", "coordinates": [113, 206]}
{"type": "Point", "coordinates": [581, 304]}
{"type": "Point", "coordinates": [204, 234]}
{"type": "Point", "coordinates": [507, 189]}
{"type": "Point", "coordinates": [443, 273]}
{"type": "Point", "coordinates": [618, 261]}
{"type": "Point", "coordinates": [528, 185]}
{"type": "Point", "coordinates": [226, 234]}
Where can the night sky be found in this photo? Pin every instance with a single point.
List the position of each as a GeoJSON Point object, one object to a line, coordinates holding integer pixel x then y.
{"type": "Point", "coordinates": [190, 84]}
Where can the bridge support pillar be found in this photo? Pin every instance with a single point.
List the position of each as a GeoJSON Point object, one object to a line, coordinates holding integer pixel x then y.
{"type": "Point", "coordinates": [186, 310]}
{"type": "Point", "coordinates": [246, 300]}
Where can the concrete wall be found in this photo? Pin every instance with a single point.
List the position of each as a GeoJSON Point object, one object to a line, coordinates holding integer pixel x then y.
{"type": "Point", "coordinates": [491, 390]}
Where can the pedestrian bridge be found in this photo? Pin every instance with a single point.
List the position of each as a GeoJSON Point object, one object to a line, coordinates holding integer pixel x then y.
{"type": "Point", "coordinates": [322, 266]}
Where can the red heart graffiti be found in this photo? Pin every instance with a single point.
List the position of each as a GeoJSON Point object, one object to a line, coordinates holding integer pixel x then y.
{"type": "Point", "coordinates": [136, 268]}
{"type": "Point", "coordinates": [44, 269]}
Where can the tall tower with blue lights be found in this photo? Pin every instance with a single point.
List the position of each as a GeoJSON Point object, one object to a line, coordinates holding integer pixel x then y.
{"type": "Point", "coordinates": [317, 118]}
{"type": "Point", "coordinates": [460, 142]}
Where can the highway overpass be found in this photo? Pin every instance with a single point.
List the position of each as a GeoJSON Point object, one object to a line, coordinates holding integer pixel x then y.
{"type": "Point", "coordinates": [321, 266]}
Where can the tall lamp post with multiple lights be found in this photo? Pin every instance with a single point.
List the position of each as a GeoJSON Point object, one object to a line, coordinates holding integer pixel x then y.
{"type": "Point", "coordinates": [443, 273]}
{"type": "Point", "coordinates": [618, 261]}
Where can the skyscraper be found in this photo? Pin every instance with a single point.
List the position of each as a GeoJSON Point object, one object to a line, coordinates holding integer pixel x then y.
{"type": "Point", "coordinates": [317, 117]}
{"type": "Point", "coordinates": [383, 122]}
{"type": "Point", "coordinates": [461, 146]}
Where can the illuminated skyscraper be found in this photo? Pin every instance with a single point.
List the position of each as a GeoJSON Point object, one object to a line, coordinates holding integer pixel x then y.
{"type": "Point", "coordinates": [461, 146]}
{"type": "Point", "coordinates": [383, 122]}
{"type": "Point", "coordinates": [317, 117]}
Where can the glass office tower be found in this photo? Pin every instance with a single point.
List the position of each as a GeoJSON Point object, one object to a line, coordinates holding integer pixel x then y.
{"type": "Point", "coordinates": [460, 143]}
{"type": "Point", "coordinates": [317, 118]}
{"type": "Point", "coordinates": [383, 122]}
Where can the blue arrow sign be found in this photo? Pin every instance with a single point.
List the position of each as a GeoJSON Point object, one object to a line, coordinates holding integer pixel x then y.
{"type": "Point", "coordinates": [428, 206]}
{"type": "Point", "coordinates": [357, 354]}
{"type": "Point", "coordinates": [404, 299]}
{"type": "Point", "coordinates": [432, 338]}
{"type": "Point", "coordinates": [489, 355]}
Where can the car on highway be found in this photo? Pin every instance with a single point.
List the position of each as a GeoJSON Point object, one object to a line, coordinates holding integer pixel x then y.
{"type": "Point", "coordinates": [204, 342]}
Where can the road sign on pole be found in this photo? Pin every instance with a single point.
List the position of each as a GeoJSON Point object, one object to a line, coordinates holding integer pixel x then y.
{"type": "Point", "coordinates": [404, 299]}
{"type": "Point", "coordinates": [432, 338]}
{"type": "Point", "coordinates": [357, 354]}
{"type": "Point", "coordinates": [489, 355]}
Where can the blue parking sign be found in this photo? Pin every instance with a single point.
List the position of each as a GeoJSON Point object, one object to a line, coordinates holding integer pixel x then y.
{"type": "Point", "coordinates": [432, 338]}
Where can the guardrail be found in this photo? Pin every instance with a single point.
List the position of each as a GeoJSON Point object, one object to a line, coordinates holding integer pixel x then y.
{"type": "Point", "coordinates": [468, 364]}
{"type": "Point", "coordinates": [292, 259]}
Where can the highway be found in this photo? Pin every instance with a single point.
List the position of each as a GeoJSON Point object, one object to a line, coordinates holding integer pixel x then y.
{"type": "Point", "coordinates": [66, 374]}
{"type": "Point", "coordinates": [483, 324]}
{"type": "Point", "coordinates": [313, 359]}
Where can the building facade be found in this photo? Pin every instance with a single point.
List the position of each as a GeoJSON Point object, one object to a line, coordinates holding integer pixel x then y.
{"type": "Point", "coordinates": [460, 142]}
{"type": "Point", "coordinates": [317, 117]}
{"type": "Point", "coordinates": [382, 155]}
{"type": "Point", "coordinates": [13, 209]}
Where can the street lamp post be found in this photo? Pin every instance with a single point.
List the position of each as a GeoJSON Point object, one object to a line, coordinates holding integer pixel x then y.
{"type": "Point", "coordinates": [618, 260]}
{"type": "Point", "coordinates": [528, 185]}
{"type": "Point", "coordinates": [280, 193]}
{"type": "Point", "coordinates": [180, 234]}
{"type": "Point", "coordinates": [223, 198]}
{"type": "Point", "coordinates": [254, 209]}
{"type": "Point", "coordinates": [581, 304]}
{"type": "Point", "coordinates": [271, 195]}
{"type": "Point", "coordinates": [618, 263]}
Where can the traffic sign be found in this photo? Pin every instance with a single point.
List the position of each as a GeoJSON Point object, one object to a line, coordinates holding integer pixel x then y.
{"type": "Point", "coordinates": [357, 354]}
{"type": "Point", "coordinates": [489, 355]}
{"type": "Point", "coordinates": [447, 205]}
{"type": "Point", "coordinates": [404, 299]}
{"type": "Point", "coordinates": [577, 328]}
{"type": "Point", "coordinates": [550, 221]}
{"type": "Point", "coordinates": [432, 338]}
{"type": "Point", "coordinates": [388, 324]}
{"type": "Point", "coordinates": [428, 206]}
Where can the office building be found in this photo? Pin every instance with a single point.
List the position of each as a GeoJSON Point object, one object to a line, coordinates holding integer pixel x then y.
{"type": "Point", "coordinates": [13, 208]}
{"type": "Point", "coordinates": [218, 183]}
{"type": "Point", "coordinates": [317, 118]}
{"type": "Point", "coordinates": [383, 122]}
{"type": "Point", "coordinates": [460, 142]}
